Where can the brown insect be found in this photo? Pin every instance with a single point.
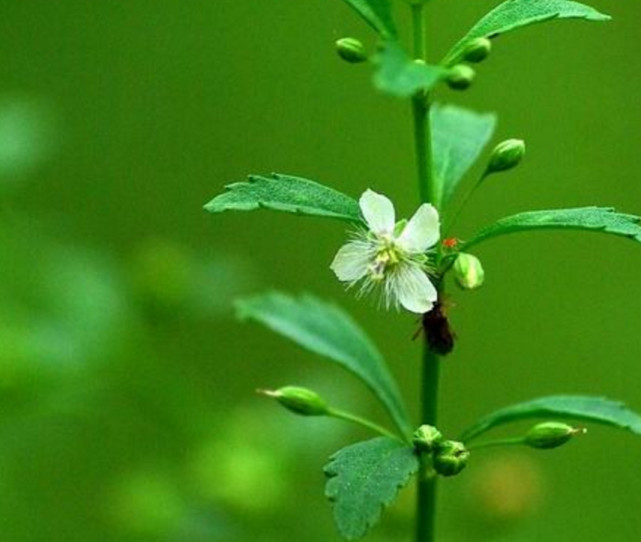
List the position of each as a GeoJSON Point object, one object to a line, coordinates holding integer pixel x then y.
{"type": "Point", "coordinates": [437, 331]}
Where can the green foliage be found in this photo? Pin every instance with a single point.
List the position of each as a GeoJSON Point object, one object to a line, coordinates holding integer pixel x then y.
{"type": "Point", "coordinates": [327, 330]}
{"type": "Point", "coordinates": [514, 14]}
{"type": "Point", "coordinates": [399, 75]}
{"type": "Point", "coordinates": [579, 407]}
{"type": "Point", "coordinates": [376, 13]}
{"type": "Point", "coordinates": [458, 137]}
{"type": "Point", "coordinates": [286, 193]}
{"type": "Point", "coordinates": [363, 479]}
{"type": "Point", "coordinates": [600, 219]}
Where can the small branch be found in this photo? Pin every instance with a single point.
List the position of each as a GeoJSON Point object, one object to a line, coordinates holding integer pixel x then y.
{"type": "Point", "coordinates": [515, 441]}
{"type": "Point", "coordinates": [451, 220]}
{"type": "Point", "coordinates": [363, 422]}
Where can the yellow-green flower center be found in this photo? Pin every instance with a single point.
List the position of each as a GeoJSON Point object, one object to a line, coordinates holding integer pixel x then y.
{"type": "Point", "coordinates": [387, 257]}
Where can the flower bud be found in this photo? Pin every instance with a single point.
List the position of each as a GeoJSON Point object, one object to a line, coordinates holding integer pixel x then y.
{"type": "Point", "coordinates": [468, 271]}
{"type": "Point", "coordinates": [351, 50]}
{"type": "Point", "coordinates": [547, 435]}
{"type": "Point", "coordinates": [426, 438]}
{"type": "Point", "coordinates": [451, 458]}
{"type": "Point", "coordinates": [477, 50]}
{"type": "Point", "coordinates": [299, 400]}
{"type": "Point", "coordinates": [506, 155]}
{"type": "Point", "coordinates": [460, 77]}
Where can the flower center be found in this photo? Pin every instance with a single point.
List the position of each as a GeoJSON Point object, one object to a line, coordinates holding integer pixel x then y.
{"type": "Point", "coordinates": [387, 257]}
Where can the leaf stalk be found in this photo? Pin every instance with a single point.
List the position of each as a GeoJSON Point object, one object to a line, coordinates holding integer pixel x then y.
{"type": "Point", "coordinates": [515, 441]}
{"type": "Point", "coordinates": [363, 422]}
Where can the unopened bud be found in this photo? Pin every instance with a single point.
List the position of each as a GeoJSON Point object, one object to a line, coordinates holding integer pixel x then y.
{"type": "Point", "coordinates": [299, 400]}
{"type": "Point", "coordinates": [460, 77]}
{"type": "Point", "coordinates": [477, 50]}
{"type": "Point", "coordinates": [351, 50]}
{"type": "Point", "coordinates": [468, 271]}
{"type": "Point", "coordinates": [451, 458]}
{"type": "Point", "coordinates": [426, 438]}
{"type": "Point", "coordinates": [506, 155]}
{"type": "Point", "coordinates": [549, 435]}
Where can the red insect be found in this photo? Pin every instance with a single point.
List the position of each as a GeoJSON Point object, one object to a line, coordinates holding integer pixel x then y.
{"type": "Point", "coordinates": [450, 242]}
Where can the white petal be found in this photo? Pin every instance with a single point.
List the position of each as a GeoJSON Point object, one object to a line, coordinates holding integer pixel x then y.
{"type": "Point", "coordinates": [422, 231]}
{"type": "Point", "coordinates": [413, 289]}
{"type": "Point", "coordinates": [351, 261]}
{"type": "Point", "coordinates": [378, 212]}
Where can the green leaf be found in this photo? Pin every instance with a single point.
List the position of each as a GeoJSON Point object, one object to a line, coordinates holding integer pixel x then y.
{"type": "Point", "coordinates": [327, 330]}
{"type": "Point", "coordinates": [288, 194]}
{"type": "Point", "coordinates": [378, 14]}
{"type": "Point", "coordinates": [399, 75]}
{"type": "Point", "coordinates": [579, 407]}
{"type": "Point", "coordinates": [514, 14]}
{"type": "Point", "coordinates": [458, 137]}
{"type": "Point", "coordinates": [599, 219]}
{"type": "Point", "coordinates": [363, 479]}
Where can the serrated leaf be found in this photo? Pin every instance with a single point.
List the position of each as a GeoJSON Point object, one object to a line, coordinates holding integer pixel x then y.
{"type": "Point", "coordinates": [458, 137]}
{"type": "Point", "coordinates": [514, 14]}
{"type": "Point", "coordinates": [327, 330]}
{"type": "Point", "coordinates": [286, 193]}
{"type": "Point", "coordinates": [579, 407]}
{"type": "Point", "coordinates": [376, 13]}
{"type": "Point", "coordinates": [399, 75]}
{"type": "Point", "coordinates": [363, 479]}
{"type": "Point", "coordinates": [599, 219]}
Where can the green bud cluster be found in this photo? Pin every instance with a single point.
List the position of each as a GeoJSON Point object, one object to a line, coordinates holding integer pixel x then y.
{"type": "Point", "coordinates": [548, 435]}
{"type": "Point", "coordinates": [460, 75]}
{"type": "Point", "coordinates": [449, 457]}
{"type": "Point", "coordinates": [299, 400]}
{"type": "Point", "coordinates": [426, 438]}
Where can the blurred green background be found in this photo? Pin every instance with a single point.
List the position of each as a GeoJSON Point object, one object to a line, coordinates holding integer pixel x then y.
{"type": "Point", "coordinates": [127, 409]}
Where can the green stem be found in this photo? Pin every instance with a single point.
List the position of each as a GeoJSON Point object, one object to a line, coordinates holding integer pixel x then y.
{"type": "Point", "coordinates": [418, 31]}
{"type": "Point", "coordinates": [515, 441]}
{"type": "Point", "coordinates": [347, 416]}
{"type": "Point", "coordinates": [420, 113]}
{"type": "Point", "coordinates": [429, 191]}
{"type": "Point", "coordinates": [421, 116]}
{"type": "Point", "coordinates": [426, 485]}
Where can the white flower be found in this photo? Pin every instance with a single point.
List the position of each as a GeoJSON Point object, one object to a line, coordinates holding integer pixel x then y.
{"type": "Point", "coordinates": [389, 259]}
